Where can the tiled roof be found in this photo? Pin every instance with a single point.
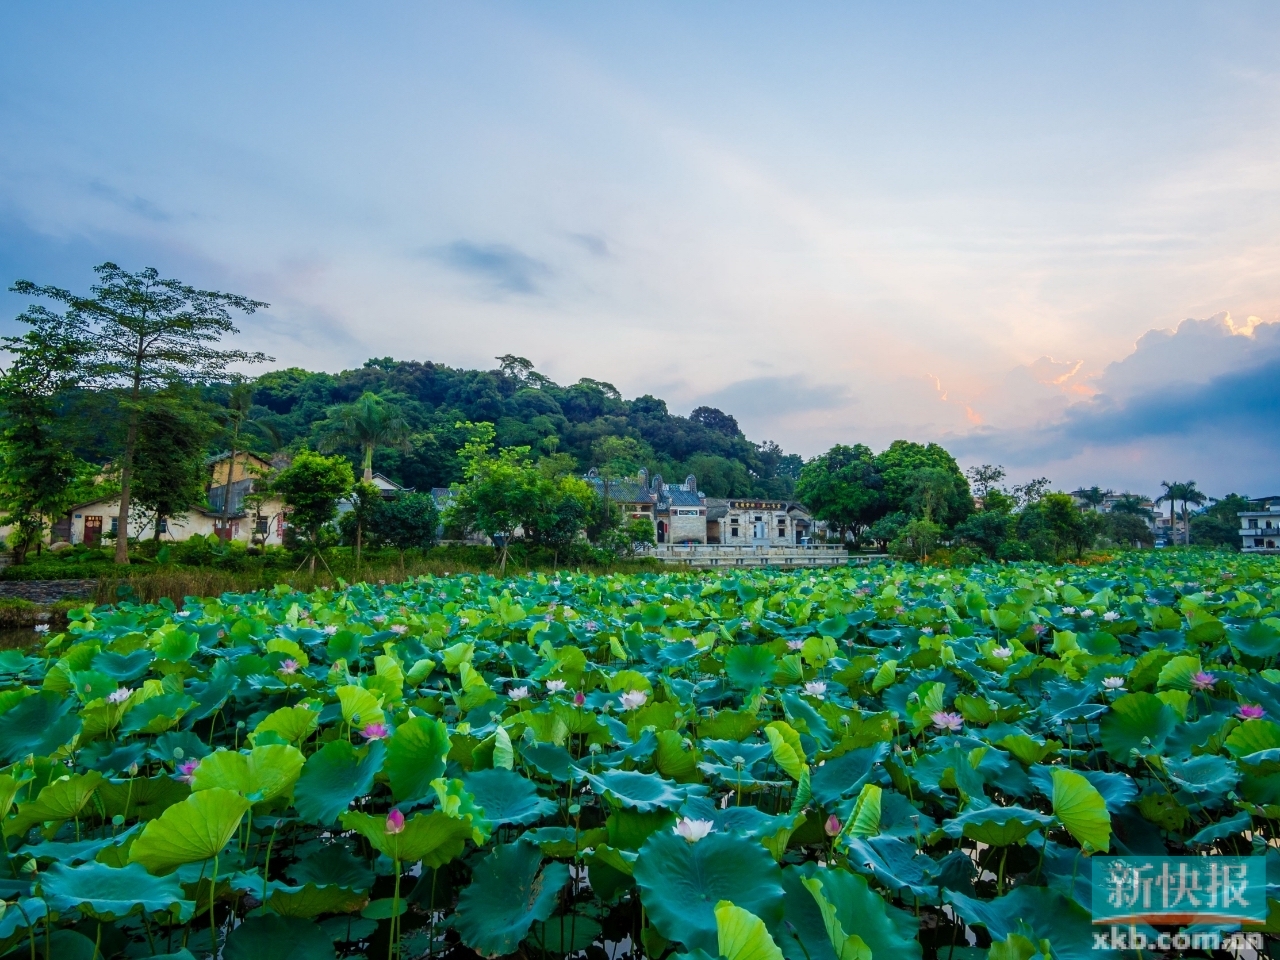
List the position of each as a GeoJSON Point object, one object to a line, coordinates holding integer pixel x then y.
{"type": "Point", "coordinates": [681, 498]}
{"type": "Point", "coordinates": [623, 491]}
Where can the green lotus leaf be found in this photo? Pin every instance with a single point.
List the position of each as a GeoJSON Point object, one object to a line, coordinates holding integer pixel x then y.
{"type": "Point", "coordinates": [1259, 640]}
{"type": "Point", "coordinates": [176, 645]}
{"type": "Point", "coordinates": [270, 937]}
{"type": "Point", "coordinates": [852, 911]}
{"type": "Point", "coordinates": [123, 667]}
{"type": "Point", "coordinates": [1035, 912]}
{"type": "Point", "coordinates": [506, 797]}
{"type": "Point", "coordinates": [1177, 673]}
{"type": "Point", "coordinates": [1205, 774]}
{"type": "Point", "coordinates": [749, 667]}
{"type": "Point", "coordinates": [566, 934]}
{"type": "Point", "coordinates": [39, 725]}
{"type": "Point", "coordinates": [333, 777]}
{"type": "Point", "coordinates": [741, 935]}
{"type": "Point", "coordinates": [680, 882]}
{"type": "Point", "coordinates": [844, 775]}
{"type": "Point", "coordinates": [644, 792]}
{"type": "Point", "coordinates": [142, 798]}
{"type": "Point", "coordinates": [510, 890]}
{"type": "Point", "coordinates": [359, 707]}
{"type": "Point", "coordinates": [21, 914]}
{"type": "Point", "coordinates": [261, 775]}
{"type": "Point", "coordinates": [1252, 736]}
{"type": "Point", "coordinates": [312, 900]}
{"type": "Point", "coordinates": [111, 893]}
{"type": "Point", "coordinates": [157, 714]}
{"type": "Point", "coordinates": [291, 724]}
{"type": "Point", "coordinates": [416, 755]}
{"type": "Point", "coordinates": [60, 800]}
{"type": "Point", "coordinates": [1137, 721]}
{"type": "Point", "coordinates": [332, 865]}
{"type": "Point", "coordinates": [434, 838]}
{"type": "Point", "coordinates": [1080, 808]}
{"type": "Point", "coordinates": [195, 829]}
{"type": "Point", "coordinates": [996, 826]}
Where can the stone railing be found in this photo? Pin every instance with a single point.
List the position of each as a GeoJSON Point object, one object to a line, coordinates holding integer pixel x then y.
{"type": "Point", "coordinates": [765, 555]}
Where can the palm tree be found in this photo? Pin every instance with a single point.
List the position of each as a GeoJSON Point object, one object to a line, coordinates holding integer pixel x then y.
{"type": "Point", "coordinates": [1093, 497]}
{"type": "Point", "coordinates": [1190, 494]}
{"type": "Point", "coordinates": [239, 415]}
{"type": "Point", "coordinates": [1132, 503]}
{"type": "Point", "coordinates": [368, 423]}
{"type": "Point", "coordinates": [1172, 494]}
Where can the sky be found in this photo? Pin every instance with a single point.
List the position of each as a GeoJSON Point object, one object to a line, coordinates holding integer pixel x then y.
{"type": "Point", "coordinates": [1045, 236]}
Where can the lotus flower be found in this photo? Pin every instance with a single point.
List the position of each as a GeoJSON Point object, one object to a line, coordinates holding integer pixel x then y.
{"type": "Point", "coordinates": [1059, 583]}
{"type": "Point", "coordinates": [1111, 616]}
{"type": "Point", "coordinates": [330, 630]}
{"type": "Point", "coordinates": [947, 721]}
{"type": "Point", "coordinates": [927, 631]}
{"type": "Point", "coordinates": [1251, 711]}
{"type": "Point", "coordinates": [1113, 683]}
{"type": "Point", "coordinates": [1203, 681]}
{"type": "Point", "coordinates": [1086, 613]}
{"type": "Point", "coordinates": [795, 644]}
{"type": "Point", "coordinates": [579, 699]}
{"type": "Point", "coordinates": [555, 686]}
{"type": "Point", "coordinates": [119, 695]}
{"type": "Point", "coordinates": [1068, 610]}
{"type": "Point", "coordinates": [832, 827]}
{"type": "Point", "coordinates": [289, 667]}
{"type": "Point", "coordinates": [591, 626]}
{"type": "Point", "coordinates": [399, 628]}
{"type": "Point", "coordinates": [41, 628]}
{"type": "Point", "coordinates": [634, 699]}
{"type": "Point", "coordinates": [379, 618]}
{"type": "Point", "coordinates": [816, 688]}
{"type": "Point", "coordinates": [518, 693]}
{"type": "Point", "coordinates": [1004, 653]}
{"type": "Point", "coordinates": [693, 830]}
{"type": "Point", "coordinates": [374, 731]}
{"type": "Point", "coordinates": [187, 771]}
{"type": "Point", "coordinates": [395, 821]}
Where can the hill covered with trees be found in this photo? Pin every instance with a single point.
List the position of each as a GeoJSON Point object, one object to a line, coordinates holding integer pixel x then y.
{"type": "Point", "coordinates": [588, 420]}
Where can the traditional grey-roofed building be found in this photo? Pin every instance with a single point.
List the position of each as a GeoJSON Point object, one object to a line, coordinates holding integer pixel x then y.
{"type": "Point", "coordinates": [743, 522]}
{"type": "Point", "coordinates": [681, 511]}
{"type": "Point", "coordinates": [631, 494]}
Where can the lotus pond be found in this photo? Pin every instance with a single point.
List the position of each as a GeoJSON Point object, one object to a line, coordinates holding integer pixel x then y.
{"type": "Point", "coordinates": [818, 765]}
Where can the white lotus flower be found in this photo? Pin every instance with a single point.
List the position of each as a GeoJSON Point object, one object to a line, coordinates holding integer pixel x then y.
{"type": "Point", "coordinates": [816, 688]}
{"type": "Point", "coordinates": [1113, 683]}
{"type": "Point", "coordinates": [795, 644]}
{"type": "Point", "coordinates": [1004, 653]}
{"type": "Point", "coordinates": [399, 628]}
{"type": "Point", "coordinates": [330, 630]}
{"type": "Point", "coordinates": [1059, 583]}
{"type": "Point", "coordinates": [1068, 609]}
{"type": "Point", "coordinates": [555, 686]}
{"type": "Point", "coordinates": [633, 699]}
{"type": "Point", "coordinates": [1086, 613]}
{"type": "Point", "coordinates": [518, 693]}
{"type": "Point", "coordinates": [927, 631]}
{"type": "Point", "coordinates": [41, 628]}
{"type": "Point", "coordinates": [693, 830]}
{"type": "Point", "coordinates": [119, 695]}
{"type": "Point", "coordinates": [1111, 615]}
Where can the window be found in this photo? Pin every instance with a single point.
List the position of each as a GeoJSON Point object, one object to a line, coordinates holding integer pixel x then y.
{"type": "Point", "coordinates": [115, 524]}
{"type": "Point", "coordinates": [260, 527]}
{"type": "Point", "coordinates": [1253, 524]}
{"type": "Point", "coordinates": [164, 524]}
{"type": "Point", "coordinates": [758, 517]}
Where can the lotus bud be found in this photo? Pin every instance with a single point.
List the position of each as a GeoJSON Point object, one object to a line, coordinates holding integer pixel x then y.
{"type": "Point", "coordinates": [395, 821]}
{"type": "Point", "coordinates": [832, 826]}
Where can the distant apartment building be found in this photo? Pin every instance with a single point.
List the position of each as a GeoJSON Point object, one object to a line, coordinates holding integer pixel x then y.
{"type": "Point", "coordinates": [1260, 526]}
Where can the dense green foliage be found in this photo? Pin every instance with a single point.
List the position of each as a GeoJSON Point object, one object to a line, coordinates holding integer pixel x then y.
{"type": "Point", "coordinates": [806, 765]}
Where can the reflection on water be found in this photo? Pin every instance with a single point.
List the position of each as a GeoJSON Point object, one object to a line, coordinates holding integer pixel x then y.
{"type": "Point", "coordinates": [18, 638]}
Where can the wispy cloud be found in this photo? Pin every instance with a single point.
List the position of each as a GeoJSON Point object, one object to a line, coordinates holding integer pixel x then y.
{"type": "Point", "coordinates": [761, 397]}
{"type": "Point", "coordinates": [506, 269]}
{"type": "Point", "coordinates": [595, 245]}
{"type": "Point", "coordinates": [133, 203]}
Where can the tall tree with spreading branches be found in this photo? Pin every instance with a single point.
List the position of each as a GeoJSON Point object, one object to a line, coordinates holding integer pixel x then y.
{"type": "Point", "coordinates": [141, 333]}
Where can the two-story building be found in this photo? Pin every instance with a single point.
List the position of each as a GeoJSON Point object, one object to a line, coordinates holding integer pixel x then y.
{"type": "Point", "coordinates": [1260, 526]}
{"type": "Point", "coordinates": [758, 522]}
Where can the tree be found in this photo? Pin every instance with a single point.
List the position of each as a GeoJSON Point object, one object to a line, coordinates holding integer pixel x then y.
{"type": "Point", "coordinates": [983, 479]}
{"type": "Point", "coordinates": [1069, 527]}
{"type": "Point", "coordinates": [1190, 494]}
{"type": "Point", "coordinates": [1219, 526]}
{"type": "Point", "coordinates": [1133, 504]}
{"type": "Point", "coordinates": [367, 423]}
{"type": "Point", "coordinates": [37, 464]}
{"type": "Point", "coordinates": [932, 489]}
{"type": "Point", "coordinates": [238, 416]}
{"type": "Point", "coordinates": [311, 487]}
{"type": "Point", "coordinates": [1172, 494]}
{"type": "Point", "coordinates": [985, 530]}
{"type": "Point", "coordinates": [843, 487]}
{"type": "Point", "coordinates": [1093, 497]}
{"type": "Point", "coordinates": [899, 466]}
{"type": "Point", "coordinates": [363, 518]}
{"type": "Point", "coordinates": [1128, 528]}
{"type": "Point", "coordinates": [499, 492]}
{"type": "Point", "coordinates": [716, 420]}
{"type": "Point", "coordinates": [140, 333]}
{"type": "Point", "coordinates": [170, 477]}
{"type": "Point", "coordinates": [408, 521]}
{"type": "Point", "coordinates": [916, 539]}
{"type": "Point", "coordinates": [887, 528]}
{"type": "Point", "coordinates": [562, 506]}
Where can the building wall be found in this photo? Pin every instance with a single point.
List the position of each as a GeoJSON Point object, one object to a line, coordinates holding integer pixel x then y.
{"type": "Point", "coordinates": [774, 523]}
{"type": "Point", "coordinates": [687, 524]}
{"type": "Point", "coordinates": [195, 522]}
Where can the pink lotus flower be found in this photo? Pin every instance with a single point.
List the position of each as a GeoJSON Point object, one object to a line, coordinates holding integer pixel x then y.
{"type": "Point", "coordinates": [187, 771]}
{"type": "Point", "coordinates": [119, 696]}
{"type": "Point", "coordinates": [399, 628]}
{"type": "Point", "coordinates": [1251, 711]}
{"type": "Point", "coordinates": [289, 667]}
{"type": "Point", "coordinates": [579, 699]}
{"type": "Point", "coordinates": [375, 731]}
{"type": "Point", "coordinates": [1203, 681]}
{"type": "Point", "coordinates": [947, 721]}
{"type": "Point", "coordinates": [395, 821]}
{"type": "Point", "coordinates": [832, 827]}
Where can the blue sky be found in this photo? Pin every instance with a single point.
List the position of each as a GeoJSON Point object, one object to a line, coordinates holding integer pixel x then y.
{"type": "Point", "coordinates": [977, 224]}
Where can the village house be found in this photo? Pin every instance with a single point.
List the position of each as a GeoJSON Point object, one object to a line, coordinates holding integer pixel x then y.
{"type": "Point", "coordinates": [678, 512]}
{"type": "Point", "coordinates": [758, 522]}
{"type": "Point", "coordinates": [88, 522]}
{"type": "Point", "coordinates": [1260, 526]}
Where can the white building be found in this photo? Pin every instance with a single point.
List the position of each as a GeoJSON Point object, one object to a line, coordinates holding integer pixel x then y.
{"type": "Point", "coordinates": [1260, 527]}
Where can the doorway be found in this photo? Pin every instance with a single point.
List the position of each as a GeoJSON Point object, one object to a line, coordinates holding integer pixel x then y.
{"type": "Point", "coordinates": [92, 530]}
